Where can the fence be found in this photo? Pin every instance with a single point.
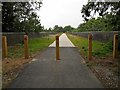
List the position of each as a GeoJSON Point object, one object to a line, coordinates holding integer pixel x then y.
{"type": "Point", "coordinates": [17, 37]}
{"type": "Point", "coordinates": [100, 36]}
{"type": "Point", "coordinates": [17, 43]}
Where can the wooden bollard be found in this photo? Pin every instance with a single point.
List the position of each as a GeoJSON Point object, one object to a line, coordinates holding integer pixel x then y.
{"type": "Point", "coordinates": [115, 46]}
{"type": "Point", "coordinates": [57, 48]}
{"type": "Point", "coordinates": [4, 46]}
{"type": "Point", "coordinates": [90, 47]}
{"type": "Point", "coordinates": [26, 52]}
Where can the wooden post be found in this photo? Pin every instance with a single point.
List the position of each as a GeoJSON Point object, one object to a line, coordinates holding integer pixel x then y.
{"type": "Point", "coordinates": [4, 46]}
{"type": "Point", "coordinates": [115, 46]}
{"type": "Point", "coordinates": [26, 47]}
{"type": "Point", "coordinates": [90, 47]}
{"type": "Point", "coordinates": [57, 48]}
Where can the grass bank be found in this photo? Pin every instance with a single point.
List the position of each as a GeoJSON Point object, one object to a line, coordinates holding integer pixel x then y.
{"type": "Point", "coordinates": [99, 49]}
{"type": "Point", "coordinates": [35, 45]}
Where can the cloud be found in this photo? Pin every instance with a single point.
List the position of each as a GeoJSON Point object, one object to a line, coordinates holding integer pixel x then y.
{"type": "Point", "coordinates": [61, 12]}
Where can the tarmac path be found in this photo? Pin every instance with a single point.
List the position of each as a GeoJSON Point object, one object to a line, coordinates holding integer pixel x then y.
{"type": "Point", "coordinates": [45, 71]}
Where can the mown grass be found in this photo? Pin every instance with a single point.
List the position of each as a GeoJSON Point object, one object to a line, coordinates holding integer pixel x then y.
{"type": "Point", "coordinates": [35, 45]}
{"type": "Point", "coordinates": [99, 49]}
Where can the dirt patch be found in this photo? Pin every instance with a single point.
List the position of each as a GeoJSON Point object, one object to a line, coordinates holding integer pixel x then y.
{"type": "Point", "coordinates": [106, 70]}
{"type": "Point", "coordinates": [11, 68]}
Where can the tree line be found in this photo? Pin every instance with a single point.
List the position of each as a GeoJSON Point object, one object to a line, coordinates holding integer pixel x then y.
{"type": "Point", "coordinates": [58, 28]}
{"type": "Point", "coordinates": [22, 17]}
{"type": "Point", "coordinates": [108, 16]}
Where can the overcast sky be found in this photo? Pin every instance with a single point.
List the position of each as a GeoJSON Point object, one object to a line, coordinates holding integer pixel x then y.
{"type": "Point", "coordinates": [61, 12]}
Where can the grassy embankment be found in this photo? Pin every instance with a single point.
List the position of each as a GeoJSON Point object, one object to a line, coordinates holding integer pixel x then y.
{"type": "Point", "coordinates": [35, 45]}
{"type": "Point", "coordinates": [99, 49]}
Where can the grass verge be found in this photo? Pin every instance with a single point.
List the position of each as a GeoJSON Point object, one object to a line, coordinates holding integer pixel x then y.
{"type": "Point", "coordinates": [99, 49]}
{"type": "Point", "coordinates": [35, 45]}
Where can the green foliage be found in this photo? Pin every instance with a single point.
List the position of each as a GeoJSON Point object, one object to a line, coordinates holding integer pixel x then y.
{"type": "Point", "coordinates": [68, 28]}
{"type": "Point", "coordinates": [57, 28]}
{"type": "Point", "coordinates": [20, 16]}
{"type": "Point", "coordinates": [109, 13]}
{"type": "Point", "coordinates": [100, 24]}
{"type": "Point", "coordinates": [102, 8]}
{"type": "Point", "coordinates": [61, 29]}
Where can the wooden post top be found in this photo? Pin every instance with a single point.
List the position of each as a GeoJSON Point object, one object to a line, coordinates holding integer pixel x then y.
{"type": "Point", "coordinates": [3, 37]}
{"type": "Point", "coordinates": [116, 36]}
{"type": "Point", "coordinates": [25, 37]}
{"type": "Point", "coordinates": [90, 36]}
{"type": "Point", "coordinates": [57, 37]}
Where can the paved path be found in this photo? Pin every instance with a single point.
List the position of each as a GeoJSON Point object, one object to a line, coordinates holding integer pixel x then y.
{"type": "Point", "coordinates": [45, 72]}
{"type": "Point", "coordinates": [63, 41]}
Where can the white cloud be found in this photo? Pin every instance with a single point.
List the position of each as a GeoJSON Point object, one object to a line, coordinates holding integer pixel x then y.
{"type": "Point", "coordinates": [61, 12]}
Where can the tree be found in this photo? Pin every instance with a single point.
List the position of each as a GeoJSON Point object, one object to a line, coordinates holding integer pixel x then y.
{"type": "Point", "coordinates": [99, 24]}
{"type": "Point", "coordinates": [110, 11]}
{"type": "Point", "coordinates": [101, 8]}
{"type": "Point", "coordinates": [20, 16]}
{"type": "Point", "coordinates": [58, 28]}
{"type": "Point", "coordinates": [68, 28]}
{"type": "Point", "coordinates": [49, 30]}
